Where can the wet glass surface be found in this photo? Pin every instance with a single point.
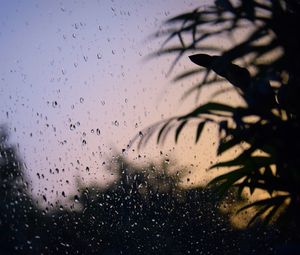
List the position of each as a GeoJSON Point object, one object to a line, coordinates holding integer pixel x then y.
{"type": "Point", "coordinates": [80, 93]}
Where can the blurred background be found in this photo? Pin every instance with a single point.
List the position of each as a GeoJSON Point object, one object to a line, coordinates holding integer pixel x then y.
{"type": "Point", "coordinates": [77, 87]}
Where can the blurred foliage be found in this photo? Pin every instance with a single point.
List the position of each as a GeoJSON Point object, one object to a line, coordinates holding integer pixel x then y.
{"type": "Point", "coordinates": [263, 68]}
{"type": "Point", "coordinates": [143, 212]}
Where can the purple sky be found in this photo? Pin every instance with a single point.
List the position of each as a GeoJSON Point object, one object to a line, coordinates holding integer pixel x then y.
{"type": "Point", "coordinates": [70, 68]}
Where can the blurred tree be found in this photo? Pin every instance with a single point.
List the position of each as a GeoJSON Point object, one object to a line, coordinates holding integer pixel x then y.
{"type": "Point", "coordinates": [143, 212]}
{"type": "Point", "coordinates": [16, 210]}
{"type": "Point", "coordinates": [262, 68]}
{"type": "Point", "coordinates": [146, 212]}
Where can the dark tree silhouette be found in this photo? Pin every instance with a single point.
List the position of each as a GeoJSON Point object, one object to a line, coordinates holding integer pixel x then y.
{"type": "Point", "coordinates": [17, 212]}
{"type": "Point", "coordinates": [143, 212]}
{"type": "Point", "coordinates": [263, 69]}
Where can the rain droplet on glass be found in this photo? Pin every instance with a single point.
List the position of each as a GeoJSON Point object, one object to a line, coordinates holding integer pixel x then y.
{"type": "Point", "coordinates": [54, 104]}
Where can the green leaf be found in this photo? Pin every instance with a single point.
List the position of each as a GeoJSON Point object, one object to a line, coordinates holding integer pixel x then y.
{"type": "Point", "coordinates": [232, 175]}
{"type": "Point", "coordinates": [257, 215]}
{"type": "Point", "coordinates": [188, 74]}
{"type": "Point", "coordinates": [264, 205]}
{"type": "Point", "coordinates": [262, 161]}
{"type": "Point", "coordinates": [226, 5]}
{"type": "Point", "coordinates": [180, 49]}
{"type": "Point", "coordinates": [209, 108]}
{"type": "Point", "coordinates": [179, 129]}
{"type": "Point", "coordinates": [185, 16]}
{"type": "Point", "coordinates": [162, 130]}
{"type": "Point", "coordinates": [236, 75]}
{"type": "Point", "coordinates": [226, 145]}
{"type": "Point", "coordinates": [199, 130]}
{"type": "Point", "coordinates": [251, 182]}
{"type": "Point", "coordinates": [238, 161]}
{"type": "Point", "coordinates": [204, 60]}
{"type": "Point", "coordinates": [248, 7]}
{"type": "Point", "coordinates": [266, 202]}
{"type": "Point", "coordinates": [271, 214]}
{"type": "Point", "coordinates": [225, 181]}
{"type": "Point", "coordinates": [255, 162]}
{"type": "Point", "coordinates": [197, 88]}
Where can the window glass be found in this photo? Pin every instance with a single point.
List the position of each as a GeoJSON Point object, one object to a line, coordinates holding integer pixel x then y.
{"type": "Point", "coordinates": [81, 170]}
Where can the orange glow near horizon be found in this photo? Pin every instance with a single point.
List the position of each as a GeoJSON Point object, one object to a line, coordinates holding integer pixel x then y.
{"type": "Point", "coordinates": [78, 89]}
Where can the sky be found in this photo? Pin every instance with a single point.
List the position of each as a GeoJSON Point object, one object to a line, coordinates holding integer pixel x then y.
{"type": "Point", "coordinates": [76, 87]}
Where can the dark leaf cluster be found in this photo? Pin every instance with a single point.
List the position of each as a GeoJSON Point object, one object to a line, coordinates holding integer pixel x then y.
{"type": "Point", "coordinates": [263, 68]}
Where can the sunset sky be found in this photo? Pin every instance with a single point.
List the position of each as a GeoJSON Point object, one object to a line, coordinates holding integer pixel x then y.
{"type": "Point", "coordinates": [75, 86]}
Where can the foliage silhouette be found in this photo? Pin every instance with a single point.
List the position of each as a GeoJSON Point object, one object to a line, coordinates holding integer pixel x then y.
{"type": "Point", "coordinates": [263, 69]}
{"type": "Point", "coordinates": [143, 212]}
{"type": "Point", "coordinates": [20, 219]}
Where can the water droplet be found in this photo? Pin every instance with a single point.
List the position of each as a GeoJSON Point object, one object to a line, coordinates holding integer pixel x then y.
{"type": "Point", "coordinates": [83, 142]}
{"type": "Point", "coordinates": [116, 123]}
{"type": "Point", "coordinates": [99, 55]}
{"type": "Point", "coordinates": [81, 100]}
{"type": "Point", "coordinates": [54, 104]}
{"type": "Point", "coordinates": [76, 199]}
{"type": "Point", "coordinates": [72, 127]}
{"type": "Point", "coordinates": [98, 131]}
